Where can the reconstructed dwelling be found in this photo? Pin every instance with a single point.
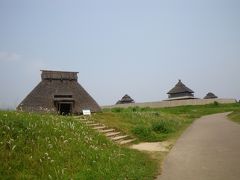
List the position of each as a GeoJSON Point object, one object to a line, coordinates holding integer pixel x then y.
{"type": "Point", "coordinates": [59, 92]}
{"type": "Point", "coordinates": [125, 99]}
{"type": "Point", "coordinates": [210, 96]}
{"type": "Point", "coordinates": [180, 91]}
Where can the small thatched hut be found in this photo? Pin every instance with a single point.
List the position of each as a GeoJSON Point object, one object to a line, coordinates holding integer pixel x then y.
{"type": "Point", "coordinates": [210, 96]}
{"type": "Point", "coordinates": [59, 92]}
{"type": "Point", "coordinates": [180, 91]}
{"type": "Point", "coordinates": [125, 99]}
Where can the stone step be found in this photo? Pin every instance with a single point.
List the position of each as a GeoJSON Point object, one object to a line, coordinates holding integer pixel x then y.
{"type": "Point", "coordinates": [76, 117]}
{"type": "Point", "coordinates": [119, 137]}
{"type": "Point", "coordinates": [110, 134]}
{"type": "Point", "coordinates": [82, 119]}
{"type": "Point", "coordinates": [94, 124]}
{"type": "Point", "coordinates": [89, 122]}
{"type": "Point", "coordinates": [126, 141]}
{"type": "Point", "coordinates": [79, 117]}
{"type": "Point", "coordinates": [99, 127]}
{"type": "Point", "coordinates": [106, 130]}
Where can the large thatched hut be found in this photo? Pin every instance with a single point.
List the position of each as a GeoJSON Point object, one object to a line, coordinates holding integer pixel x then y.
{"type": "Point", "coordinates": [180, 91]}
{"type": "Point", "coordinates": [210, 95]}
{"type": "Point", "coordinates": [125, 99]}
{"type": "Point", "coordinates": [59, 92]}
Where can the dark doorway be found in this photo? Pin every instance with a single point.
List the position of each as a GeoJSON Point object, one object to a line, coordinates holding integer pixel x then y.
{"type": "Point", "coordinates": [65, 109]}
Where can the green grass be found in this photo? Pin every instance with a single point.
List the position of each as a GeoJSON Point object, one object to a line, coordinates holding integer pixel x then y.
{"type": "Point", "coordinates": [41, 146]}
{"type": "Point", "coordinates": [235, 116]}
{"type": "Point", "coordinates": [158, 124]}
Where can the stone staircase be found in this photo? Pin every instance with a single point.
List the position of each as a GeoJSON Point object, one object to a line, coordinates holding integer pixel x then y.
{"type": "Point", "coordinates": [111, 133]}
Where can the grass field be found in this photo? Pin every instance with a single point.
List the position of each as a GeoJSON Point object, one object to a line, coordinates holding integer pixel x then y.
{"type": "Point", "coordinates": [158, 124]}
{"type": "Point", "coordinates": [34, 146]}
{"type": "Point", "coordinates": [44, 146]}
{"type": "Point", "coordinates": [235, 116]}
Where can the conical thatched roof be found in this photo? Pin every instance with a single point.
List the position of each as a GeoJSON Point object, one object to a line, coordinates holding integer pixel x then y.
{"type": "Point", "coordinates": [210, 96]}
{"type": "Point", "coordinates": [59, 91]}
{"type": "Point", "coordinates": [125, 99]}
{"type": "Point", "coordinates": [180, 91]}
{"type": "Point", "coordinates": [180, 88]}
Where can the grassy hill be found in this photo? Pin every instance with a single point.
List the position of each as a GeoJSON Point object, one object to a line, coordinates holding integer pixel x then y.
{"type": "Point", "coordinates": [34, 146]}
{"type": "Point", "coordinates": [44, 146]}
{"type": "Point", "coordinates": [158, 124]}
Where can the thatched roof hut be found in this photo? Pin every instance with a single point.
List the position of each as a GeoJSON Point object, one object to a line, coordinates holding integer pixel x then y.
{"type": "Point", "coordinates": [180, 91]}
{"type": "Point", "coordinates": [59, 92]}
{"type": "Point", "coordinates": [125, 99]}
{"type": "Point", "coordinates": [210, 95]}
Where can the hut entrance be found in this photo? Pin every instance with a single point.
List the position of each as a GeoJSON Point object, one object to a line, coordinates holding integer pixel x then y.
{"type": "Point", "coordinates": [65, 108]}
{"type": "Point", "coordinates": [64, 103]}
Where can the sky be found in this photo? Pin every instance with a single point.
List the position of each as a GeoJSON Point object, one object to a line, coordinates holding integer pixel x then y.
{"type": "Point", "coordinates": [135, 47]}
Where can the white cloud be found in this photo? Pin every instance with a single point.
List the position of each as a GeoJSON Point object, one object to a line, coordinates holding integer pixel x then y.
{"type": "Point", "coordinates": [9, 57]}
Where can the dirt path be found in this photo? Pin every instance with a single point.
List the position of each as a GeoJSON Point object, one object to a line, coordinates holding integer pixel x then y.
{"type": "Point", "coordinates": [153, 146]}
{"type": "Point", "coordinates": [208, 150]}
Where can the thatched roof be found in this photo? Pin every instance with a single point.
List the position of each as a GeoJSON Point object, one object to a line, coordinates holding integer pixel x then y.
{"type": "Point", "coordinates": [125, 99]}
{"type": "Point", "coordinates": [58, 87]}
{"type": "Point", "coordinates": [180, 88]}
{"type": "Point", "coordinates": [210, 96]}
{"type": "Point", "coordinates": [58, 75]}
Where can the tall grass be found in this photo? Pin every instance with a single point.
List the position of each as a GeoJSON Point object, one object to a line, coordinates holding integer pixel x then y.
{"type": "Point", "coordinates": [34, 146]}
{"type": "Point", "coordinates": [158, 124]}
{"type": "Point", "coordinates": [235, 116]}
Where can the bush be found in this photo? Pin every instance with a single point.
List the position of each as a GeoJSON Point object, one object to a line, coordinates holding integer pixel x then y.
{"type": "Point", "coordinates": [117, 110]}
{"type": "Point", "coordinates": [147, 134]}
{"type": "Point", "coordinates": [156, 113]}
{"type": "Point", "coordinates": [142, 132]}
{"type": "Point", "coordinates": [215, 103]}
{"type": "Point", "coordinates": [164, 126]}
{"type": "Point", "coordinates": [135, 109]}
{"type": "Point", "coordinates": [144, 109]}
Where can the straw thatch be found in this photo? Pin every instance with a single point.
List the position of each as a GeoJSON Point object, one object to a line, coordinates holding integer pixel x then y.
{"type": "Point", "coordinates": [125, 99]}
{"type": "Point", "coordinates": [180, 91]}
{"type": "Point", "coordinates": [210, 95]}
{"type": "Point", "coordinates": [60, 92]}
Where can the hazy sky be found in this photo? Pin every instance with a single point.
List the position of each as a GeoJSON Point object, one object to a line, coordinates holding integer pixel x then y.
{"type": "Point", "coordinates": [138, 47]}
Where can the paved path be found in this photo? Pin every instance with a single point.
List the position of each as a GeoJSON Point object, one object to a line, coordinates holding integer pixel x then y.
{"type": "Point", "coordinates": [208, 150]}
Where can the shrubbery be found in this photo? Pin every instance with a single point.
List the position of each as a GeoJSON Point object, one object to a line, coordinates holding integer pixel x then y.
{"type": "Point", "coordinates": [165, 126]}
